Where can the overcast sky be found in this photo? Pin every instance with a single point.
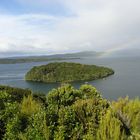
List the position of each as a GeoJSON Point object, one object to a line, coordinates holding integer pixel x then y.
{"type": "Point", "coordinates": [60, 26]}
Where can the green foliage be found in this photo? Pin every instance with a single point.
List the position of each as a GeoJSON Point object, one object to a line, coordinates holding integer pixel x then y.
{"type": "Point", "coordinates": [67, 114]}
{"type": "Point", "coordinates": [8, 109]}
{"type": "Point", "coordinates": [26, 120]}
{"type": "Point", "coordinates": [16, 93]}
{"type": "Point", "coordinates": [110, 127]}
{"type": "Point", "coordinates": [37, 129]}
{"type": "Point", "coordinates": [67, 72]}
{"type": "Point", "coordinates": [29, 106]}
{"type": "Point", "coordinates": [80, 109]}
{"type": "Point", "coordinates": [129, 113]}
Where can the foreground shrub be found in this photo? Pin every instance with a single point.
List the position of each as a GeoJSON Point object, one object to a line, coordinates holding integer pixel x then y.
{"type": "Point", "coordinates": [68, 114]}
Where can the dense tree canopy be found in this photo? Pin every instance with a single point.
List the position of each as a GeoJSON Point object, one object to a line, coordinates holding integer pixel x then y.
{"type": "Point", "coordinates": [67, 114]}
{"type": "Point", "coordinates": [67, 72]}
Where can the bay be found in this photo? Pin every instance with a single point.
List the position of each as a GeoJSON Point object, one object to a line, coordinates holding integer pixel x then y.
{"type": "Point", "coordinates": [125, 81]}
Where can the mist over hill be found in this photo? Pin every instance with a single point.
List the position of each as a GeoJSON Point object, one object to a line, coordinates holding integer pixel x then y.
{"type": "Point", "coordinates": [122, 53]}
{"type": "Point", "coordinates": [43, 58]}
{"type": "Point", "coordinates": [68, 56]}
{"type": "Point", "coordinates": [78, 54]}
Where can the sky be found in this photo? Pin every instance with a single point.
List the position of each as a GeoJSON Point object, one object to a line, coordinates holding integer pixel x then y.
{"type": "Point", "coordinates": [35, 27]}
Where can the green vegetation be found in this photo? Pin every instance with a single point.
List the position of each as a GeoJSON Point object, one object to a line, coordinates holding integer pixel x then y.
{"type": "Point", "coordinates": [67, 114]}
{"type": "Point", "coordinates": [67, 72]}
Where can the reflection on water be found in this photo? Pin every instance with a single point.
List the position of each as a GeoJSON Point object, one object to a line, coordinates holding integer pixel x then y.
{"type": "Point", "coordinates": [125, 81]}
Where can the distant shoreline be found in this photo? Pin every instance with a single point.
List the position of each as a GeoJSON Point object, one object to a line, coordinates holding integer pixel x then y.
{"type": "Point", "coordinates": [30, 60]}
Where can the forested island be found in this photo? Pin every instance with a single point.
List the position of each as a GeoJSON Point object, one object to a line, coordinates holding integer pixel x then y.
{"type": "Point", "coordinates": [67, 113]}
{"type": "Point", "coordinates": [67, 72]}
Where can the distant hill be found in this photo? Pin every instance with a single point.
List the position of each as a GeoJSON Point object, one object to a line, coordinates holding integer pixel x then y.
{"type": "Point", "coordinates": [43, 58]}
{"type": "Point", "coordinates": [68, 55]}
{"type": "Point", "coordinates": [79, 54]}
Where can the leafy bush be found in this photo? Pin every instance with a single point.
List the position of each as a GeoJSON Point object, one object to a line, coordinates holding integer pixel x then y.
{"type": "Point", "coordinates": [68, 114]}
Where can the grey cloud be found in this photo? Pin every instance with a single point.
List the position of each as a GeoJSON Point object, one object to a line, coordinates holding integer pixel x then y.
{"type": "Point", "coordinates": [95, 25]}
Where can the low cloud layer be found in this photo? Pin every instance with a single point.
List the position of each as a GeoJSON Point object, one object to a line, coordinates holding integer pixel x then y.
{"type": "Point", "coordinates": [96, 25]}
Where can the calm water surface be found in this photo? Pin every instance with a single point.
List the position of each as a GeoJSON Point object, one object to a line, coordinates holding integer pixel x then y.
{"type": "Point", "coordinates": [125, 81]}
